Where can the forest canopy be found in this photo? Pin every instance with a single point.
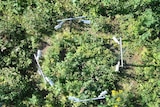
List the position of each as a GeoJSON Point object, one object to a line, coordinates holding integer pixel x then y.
{"type": "Point", "coordinates": [79, 59]}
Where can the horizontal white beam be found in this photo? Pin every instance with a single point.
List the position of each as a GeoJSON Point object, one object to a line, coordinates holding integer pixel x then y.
{"type": "Point", "coordinates": [68, 19]}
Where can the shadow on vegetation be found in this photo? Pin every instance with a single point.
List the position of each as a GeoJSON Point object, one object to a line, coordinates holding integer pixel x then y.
{"type": "Point", "coordinates": [140, 65]}
{"type": "Point", "coordinates": [127, 40]}
{"type": "Point", "coordinates": [131, 75]}
{"type": "Point", "coordinates": [124, 74]}
{"type": "Point", "coordinates": [108, 28]}
{"type": "Point", "coordinates": [133, 98]}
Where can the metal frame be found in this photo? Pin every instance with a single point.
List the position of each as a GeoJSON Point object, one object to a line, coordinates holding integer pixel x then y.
{"type": "Point", "coordinates": [62, 21]}
{"type": "Point", "coordinates": [46, 79]}
{"type": "Point", "coordinates": [119, 42]}
{"type": "Point", "coordinates": [101, 96]}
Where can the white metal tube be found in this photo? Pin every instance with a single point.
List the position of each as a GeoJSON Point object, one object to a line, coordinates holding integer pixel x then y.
{"type": "Point", "coordinates": [121, 52]}
{"type": "Point", "coordinates": [102, 94]}
{"type": "Point", "coordinates": [86, 21]}
{"type": "Point", "coordinates": [59, 25]}
{"type": "Point", "coordinates": [67, 19]}
{"type": "Point", "coordinates": [39, 67]}
{"type": "Point", "coordinates": [85, 100]}
{"type": "Point", "coordinates": [117, 66]}
{"type": "Point", "coordinates": [116, 40]}
{"type": "Point", "coordinates": [49, 81]}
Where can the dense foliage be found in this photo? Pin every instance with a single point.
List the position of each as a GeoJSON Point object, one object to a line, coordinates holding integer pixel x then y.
{"type": "Point", "coordinates": [80, 63]}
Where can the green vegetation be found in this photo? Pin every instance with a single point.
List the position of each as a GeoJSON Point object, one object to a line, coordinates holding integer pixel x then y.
{"type": "Point", "coordinates": [81, 63]}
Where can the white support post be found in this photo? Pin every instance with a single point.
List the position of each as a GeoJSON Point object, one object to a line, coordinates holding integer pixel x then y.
{"type": "Point", "coordinates": [39, 68]}
{"type": "Point", "coordinates": [121, 52]}
{"type": "Point", "coordinates": [46, 79]}
{"type": "Point", "coordinates": [49, 81]}
{"type": "Point", "coordinates": [117, 66]}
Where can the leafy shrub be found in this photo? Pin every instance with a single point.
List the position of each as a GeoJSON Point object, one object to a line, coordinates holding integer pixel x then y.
{"type": "Point", "coordinates": [13, 86]}
{"type": "Point", "coordinates": [80, 66]}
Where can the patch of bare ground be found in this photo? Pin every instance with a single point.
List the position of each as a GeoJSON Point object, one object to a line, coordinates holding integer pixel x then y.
{"type": "Point", "coordinates": [128, 80]}
{"type": "Point", "coordinates": [45, 44]}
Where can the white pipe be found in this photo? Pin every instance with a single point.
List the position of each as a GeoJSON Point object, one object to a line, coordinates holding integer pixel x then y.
{"type": "Point", "coordinates": [86, 21]}
{"type": "Point", "coordinates": [117, 66]}
{"type": "Point", "coordinates": [102, 94]}
{"type": "Point", "coordinates": [73, 99]}
{"type": "Point", "coordinates": [39, 54]}
{"type": "Point", "coordinates": [49, 81]}
{"type": "Point", "coordinates": [39, 68]}
{"type": "Point", "coordinates": [67, 19]}
{"type": "Point", "coordinates": [85, 100]}
{"type": "Point", "coordinates": [59, 25]}
{"type": "Point", "coordinates": [116, 40]}
{"type": "Point", "coordinates": [121, 52]}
